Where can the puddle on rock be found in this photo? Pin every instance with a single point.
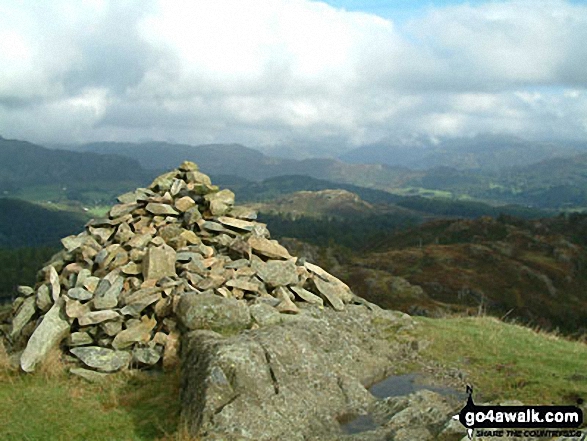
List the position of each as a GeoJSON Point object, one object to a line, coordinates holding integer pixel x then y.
{"type": "Point", "coordinates": [393, 386]}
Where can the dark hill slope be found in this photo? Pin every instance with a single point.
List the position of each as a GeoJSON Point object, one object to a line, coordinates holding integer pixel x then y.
{"type": "Point", "coordinates": [25, 164]}
{"type": "Point", "coordinates": [25, 224]}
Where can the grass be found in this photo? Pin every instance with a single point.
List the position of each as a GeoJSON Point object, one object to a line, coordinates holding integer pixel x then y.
{"type": "Point", "coordinates": [508, 361]}
{"type": "Point", "coordinates": [53, 405]}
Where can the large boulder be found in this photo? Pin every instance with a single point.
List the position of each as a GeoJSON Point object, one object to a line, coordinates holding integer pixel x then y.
{"type": "Point", "coordinates": [290, 380]}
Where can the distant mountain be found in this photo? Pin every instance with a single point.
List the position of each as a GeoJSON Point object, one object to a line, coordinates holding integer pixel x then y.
{"type": "Point", "coordinates": [25, 164]}
{"type": "Point", "coordinates": [483, 152]}
{"type": "Point", "coordinates": [23, 224]}
{"type": "Point", "coordinates": [241, 161]}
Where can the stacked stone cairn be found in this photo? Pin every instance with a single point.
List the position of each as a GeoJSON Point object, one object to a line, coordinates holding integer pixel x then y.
{"type": "Point", "coordinates": [169, 258]}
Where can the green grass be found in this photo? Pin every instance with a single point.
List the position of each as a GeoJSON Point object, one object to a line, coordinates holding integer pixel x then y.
{"type": "Point", "coordinates": [53, 405]}
{"type": "Point", "coordinates": [508, 361]}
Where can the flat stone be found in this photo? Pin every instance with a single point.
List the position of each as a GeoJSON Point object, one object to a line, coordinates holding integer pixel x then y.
{"type": "Point", "coordinates": [243, 213]}
{"type": "Point", "coordinates": [187, 166]}
{"type": "Point", "coordinates": [79, 339]}
{"type": "Point", "coordinates": [122, 210]}
{"type": "Point", "coordinates": [91, 284]}
{"type": "Point", "coordinates": [159, 262]}
{"type": "Point", "coordinates": [79, 294]}
{"type": "Point", "coordinates": [307, 296]}
{"type": "Point", "coordinates": [184, 204]}
{"type": "Point", "coordinates": [237, 224]}
{"type": "Point", "coordinates": [24, 315]}
{"type": "Point", "coordinates": [89, 375]}
{"type": "Point", "coordinates": [161, 209]}
{"type": "Point", "coordinates": [141, 332]}
{"type": "Point", "coordinates": [109, 299]}
{"type": "Point", "coordinates": [163, 182]}
{"type": "Point", "coordinates": [148, 356]}
{"type": "Point", "coordinates": [276, 272]}
{"type": "Point", "coordinates": [243, 284]}
{"type": "Point", "coordinates": [94, 317]}
{"type": "Point", "coordinates": [123, 233]}
{"type": "Point", "coordinates": [197, 177]}
{"type": "Point", "coordinates": [103, 359]}
{"type": "Point", "coordinates": [330, 292]}
{"type": "Point", "coordinates": [53, 328]}
{"type": "Point", "coordinates": [112, 327]}
{"type": "Point", "coordinates": [25, 290]}
{"type": "Point", "coordinates": [140, 240]}
{"type": "Point", "coordinates": [75, 309]}
{"type": "Point", "coordinates": [103, 234]}
{"type": "Point", "coordinates": [43, 299]}
{"type": "Point", "coordinates": [220, 202]}
{"type": "Point", "coordinates": [286, 305]}
{"type": "Point", "coordinates": [269, 248]}
{"type": "Point", "coordinates": [54, 281]}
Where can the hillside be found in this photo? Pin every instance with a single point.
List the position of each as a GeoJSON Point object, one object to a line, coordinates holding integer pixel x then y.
{"type": "Point", "coordinates": [485, 152]}
{"type": "Point", "coordinates": [25, 164]}
{"type": "Point", "coordinates": [534, 271]}
{"type": "Point", "coordinates": [25, 224]}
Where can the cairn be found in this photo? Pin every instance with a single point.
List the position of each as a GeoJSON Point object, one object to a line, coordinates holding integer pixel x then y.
{"type": "Point", "coordinates": [172, 257]}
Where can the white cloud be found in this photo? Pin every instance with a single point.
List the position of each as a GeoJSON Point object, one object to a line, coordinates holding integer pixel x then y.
{"type": "Point", "coordinates": [277, 71]}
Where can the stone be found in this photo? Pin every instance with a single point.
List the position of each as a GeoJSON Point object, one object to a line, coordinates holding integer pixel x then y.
{"type": "Point", "coordinates": [171, 352]}
{"type": "Point", "coordinates": [79, 294]}
{"type": "Point", "coordinates": [123, 233]}
{"type": "Point", "coordinates": [161, 209]}
{"type": "Point", "coordinates": [89, 375]}
{"type": "Point", "coordinates": [286, 305]}
{"type": "Point", "coordinates": [342, 289]}
{"type": "Point", "coordinates": [243, 284]}
{"type": "Point", "coordinates": [159, 262]}
{"type": "Point", "coordinates": [25, 290]}
{"type": "Point", "coordinates": [54, 281]}
{"type": "Point", "coordinates": [187, 166]}
{"type": "Point", "coordinates": [53, 328]}
{"type": "Point", "coordinates": [264, 314]}
{"type": "Point", "coordinates": [141, 332]}
{"type": "Point", "coordinates": [75, 309]}
{"type": "Point", "coordinates": [276, 272]}
{"type": "Point", "coordinates": [122, 209]}
{"type": "Point", "coordinates": [268, 248]}
{"type": "Point", "coordinates": [330, 292]}
{"type": "Point", "coordinates": [109, 298]}
{"type": "Point", "coordinates": [307, 296]}
{"type": "Point", "coordinates": [255, 386]}
{"type": "Point", "coordinates": [24, 315]}
{"type": "Point", "coordinates": [237, 224]}
{"type": "Point", "coordinates": [184, 204]}
{"type": "Point", "coordinates": [43, 299]}
{"type": "Point", "coordinates": [163, 182]}
{"type": "Point", "coordinates": [94, 317]}
{"type": "Point", "coordinates": [103, 359]}
{"type": "Point", "coordinates": [80, 339]}
{"type": "Point", "coordinates": [197, 177]}
{"type": "Point", "coordinates": [148, 356]}
{"type": "Point", "coordinates": [209, 311]}
{"type": "Point", "coordinates": [111, 328]}
{"type": "Point", "coordinates": [220, 202]}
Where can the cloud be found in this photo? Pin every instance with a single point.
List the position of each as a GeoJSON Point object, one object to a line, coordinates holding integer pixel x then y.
{"type": "Point", "coordinates": [288, 71]}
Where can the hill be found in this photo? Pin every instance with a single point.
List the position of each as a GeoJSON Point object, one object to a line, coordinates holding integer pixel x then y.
{"type": "Point", "coordinates": [532, 270]}
{"type": "Point", "coordinates": [483, 152]}
{"type": "Point", "coordinates": [25, 224]}
{"type": "Point", "coordinates": [25, 164]}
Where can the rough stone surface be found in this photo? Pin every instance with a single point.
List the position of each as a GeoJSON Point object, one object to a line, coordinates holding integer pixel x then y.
{"type": "Point", "coordinates": [288, 381]}
{"type": "Point", "coordinates": [159, 262]}
{"type": "Point", "coordinates": [209, 311]}
{"type": "Point", "coordinates": [103, 359]}
{"type": "Point", "coordinates": [53, 328]}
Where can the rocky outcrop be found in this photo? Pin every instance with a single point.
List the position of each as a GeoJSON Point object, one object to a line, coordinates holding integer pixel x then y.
{"type": "Point", "coordinates": [174, 257]}
{"type": "Point", "coordinates": [292, 378]}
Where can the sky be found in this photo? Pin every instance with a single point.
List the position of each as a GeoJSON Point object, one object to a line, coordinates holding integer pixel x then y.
{"type": "Point", "coordinates": [337, 73]}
